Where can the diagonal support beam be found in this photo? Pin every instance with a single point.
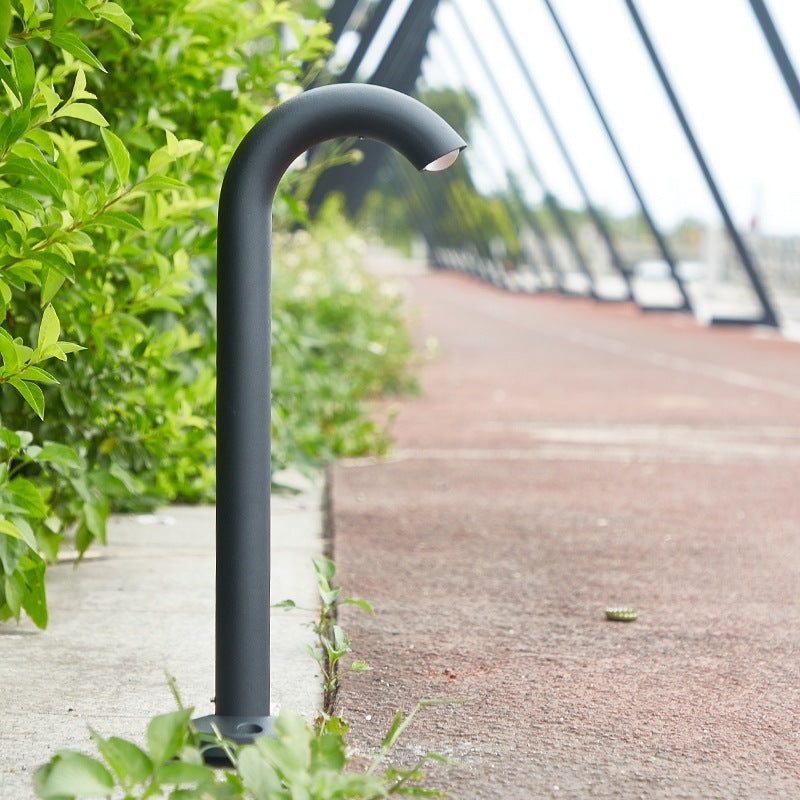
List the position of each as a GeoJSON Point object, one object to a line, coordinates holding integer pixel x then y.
{"type": "Point", "coordinates": [768, 312]}
{"type": "Point", "coordinates": [549, 198]}
{"type": "Point", "coordinates": [602, 228]}
{"type": "Point", "coordinates": [778, 50]}
{"type": "Point", "coordinates": [651, 224]}
{"type": "Point", "coordinates": [531, 218]}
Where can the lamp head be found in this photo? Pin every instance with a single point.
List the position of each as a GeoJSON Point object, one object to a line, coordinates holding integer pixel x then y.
{"type": "Point", "coordinates": [443, 162]}
{"type": "Point", "coordinates": [344, 109]}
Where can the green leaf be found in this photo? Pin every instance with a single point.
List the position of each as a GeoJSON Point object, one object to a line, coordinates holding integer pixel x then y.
{"type": "Point", "coordinates": [56, 182]}
{"type": "Point", "coordinates": [62, 13]}
{"type": "Point", "coordinates": [5, 293]}
{"type": "Point", "coordinates": [166, 733]}
{"type": "Point", "coordinates": [9, 529]}
{"type": "Point", "coordinates": [52, 281]}
{"type": "Point", "coordinates": [178, 772]}
{"type": "Point", "coordinates": [25, 72]}
{"type": "Point", "coordinates": [51, 98]}
{"type": "Point", "coordinates": [71, 774]}
{"type": "Point", "coordinates": [84, 111]}
{"type": "Point", "coordinates": [324, 567]}
{"type": "Point", "coordinates": [5, 74]}
{"type": "Point", "coordinates": [25, 437]}
{"type": "Point", "coordinates": [27, 496]}
{"type": "Point", "coordinates": [5, 19]}
{"type": "Point", "coordinates": [119, 219]}
{"type": "Point", "coordinates": [10, 439]}
{"type": "Point", "coordinates": [9, 351]}
{"type": "Point", "coordinates": [129, 762]}
{"type": "Point", "coordinates": [56, 262]}
{"type": "Point", "coordinates": [95, 517]}
{"type": "Point", "coordinates": [49, 329]}
{"type": "Point", "coordinates": [165, 303]}
{"type": "Point", "coordinates": [395, 729]}
{"type": "Point", "coordinates": [360, 602]}
{"type": "Point", "coordinates": [120, 157]}
{"type": "Point", "coordinates": [28, 10]}
{"type": "Point", "coordinates": [74, 46]}
{"type": "Point", "coordinates": [155, 183]}
{"type": "Point", "coordinates": [125, 478]}
{"type": "Point", "coordinates": [35, 600]}
{"type": "Point", "coordinates": [70, 347]}
{"type": "Point", "coordinates": [14, 592]}
{"type": "Point", "coordinates": [37, 374]}
{"type": "Point", "coordinates": [79, 87]}
{"type": "Point", "coordinates": [160, 158]}
{"type": "Point", "coordinates": [296, 209]}
{"type": "Point", "coordinates": [67, 10]}
{"type": "Point", "coordinates": [116, 16]}
{"type": "Point", "coordinates": [59, 454]}
{"type": "Point", "coordinates": [14, 125]}
{"type": "Point", "coordinates": [20, 200]}
{"type": "Point", "coordinates": [328, 752]}
{"type": "Point", "coordinates": [259, 776]}
{"type": "Point", "coordinates": [329, 597]}
{"type": "Point", "coordinates": [31, 394]}
{"type": "Point", "coordinates": [52, 351]}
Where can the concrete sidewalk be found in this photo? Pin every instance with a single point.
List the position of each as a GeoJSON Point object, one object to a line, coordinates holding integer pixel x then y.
{"type": "Point", "coordinates": [143, 605]}
{"type": "Point", "coordinates": [566, 455]}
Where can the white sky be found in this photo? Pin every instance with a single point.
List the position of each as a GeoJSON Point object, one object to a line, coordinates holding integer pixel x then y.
{"type": "Point", "coordinates": [721, 69]}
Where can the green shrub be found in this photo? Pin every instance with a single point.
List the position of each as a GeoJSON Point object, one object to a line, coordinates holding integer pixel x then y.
{"type": "Point", "coordinates": [118, 125]}
{"type": "Point", "coordinates": [73, 244]}
{"type": "Point", "coordinates": [338, 340]}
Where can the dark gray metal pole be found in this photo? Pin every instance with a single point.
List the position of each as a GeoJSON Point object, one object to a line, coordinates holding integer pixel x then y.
{"type": "Point", "coordinates": [243, 361]}
{"type": "Point", "coordinates": [654, 230]}
{"type": "Point", "coordinates": [549, 198]}
{"type": "Point", "coordinates": [778, 50]}
{"type": "Point", "coordinates": [768, 313]}
{"type": "Point", "coordinates": [602, 229]}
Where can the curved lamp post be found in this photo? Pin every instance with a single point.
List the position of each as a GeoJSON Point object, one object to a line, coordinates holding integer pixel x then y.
{"type": "Point", "coordinates": [242, 701]}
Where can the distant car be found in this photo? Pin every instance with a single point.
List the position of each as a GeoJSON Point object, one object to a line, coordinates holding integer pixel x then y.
{"type": "Point", "coordinates": [656, 269]}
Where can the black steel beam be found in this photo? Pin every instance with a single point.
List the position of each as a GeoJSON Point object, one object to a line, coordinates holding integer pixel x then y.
{"type": "Point", "coordinates": [531, 218]}
{"type": "Point", "coordinates": [367, 35]}
{"type": "Point", "coordinates": [649, 219]}
{"type": "Point", "coordinates": [338, 15]}
{"type": "Point", "coordinates": [602, 229]}
{"type": "Point", "coordinates": [768, 313]}
{"type": "Point", "coordinates": [549, 197]}
{"type": "Point", "coordinates": [398, 69]}
{"type": "Point", "coordinates": [778, 50]}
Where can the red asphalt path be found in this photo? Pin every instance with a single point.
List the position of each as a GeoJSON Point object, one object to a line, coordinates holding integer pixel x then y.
{"type": "Point", "coordinates": [566, 455]}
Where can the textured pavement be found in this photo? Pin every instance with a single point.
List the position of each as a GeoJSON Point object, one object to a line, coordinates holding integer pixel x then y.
{"type": "Point", "coordinates": [135, 610]}
{"type": "Point", "coordinates": [566, 455]}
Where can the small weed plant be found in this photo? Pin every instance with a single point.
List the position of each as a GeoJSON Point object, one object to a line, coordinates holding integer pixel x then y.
{"type": "Point", "coordinates": [334, 642]}
{"type": "Point", "coordinates": [301, 761]}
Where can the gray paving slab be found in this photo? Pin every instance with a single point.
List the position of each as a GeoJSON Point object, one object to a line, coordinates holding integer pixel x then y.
{"type": "Point", "coordinates": [135, 610]}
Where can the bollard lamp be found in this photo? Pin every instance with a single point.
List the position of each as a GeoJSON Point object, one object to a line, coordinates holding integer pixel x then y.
{"type": "Point", "coordinates": [242, 702]}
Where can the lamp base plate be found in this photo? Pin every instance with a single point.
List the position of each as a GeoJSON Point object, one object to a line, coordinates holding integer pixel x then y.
{"type": "Point", "coordinates": [241, 730]}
